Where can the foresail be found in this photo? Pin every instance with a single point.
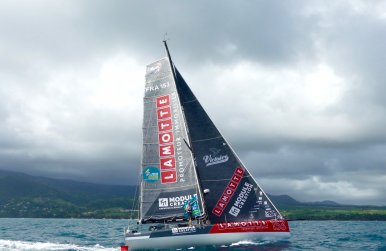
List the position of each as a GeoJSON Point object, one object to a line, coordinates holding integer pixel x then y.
{"type": "Point", "coordinates": [233, 193]}
{"type": "Point", "coordinates": [168, 174]}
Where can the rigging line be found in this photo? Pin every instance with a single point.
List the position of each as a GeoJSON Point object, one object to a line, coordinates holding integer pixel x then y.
{"type": "Point", "coordinates": [157, 163]}
{"type": "Point", "coordinates": [150, 163]}
{"type": "Point", "coordinates": [170, 62]}
{"type": "Point", "coordinates": [166, 36]}
{"type": "Point", "coordinates": [148, 100]}
{"type": "Point", "coordinates": [149, 127]}
{"type": "Point", "coordinates": [168, 188]}
{"type": "Point", "coordinates": [165, 76]}
{"type": "Point", "coordinates": [224, 179]}
{"type": "Point", "coordinates": [199, 140]}
{"type": "Point", "coordinates": [188, 145]}
{"type": "Point", "coordinates": [136, 201]}
{"type": "Point", "coordinates": [190, 101]}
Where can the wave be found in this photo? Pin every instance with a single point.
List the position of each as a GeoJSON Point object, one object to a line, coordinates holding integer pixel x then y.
{"type": "Point", "coordinates": [12, 245]}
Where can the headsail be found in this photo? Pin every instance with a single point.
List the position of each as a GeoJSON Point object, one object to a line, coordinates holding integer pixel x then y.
{"type": "Point", "coordinates": [168, 174]}
{"type": "Point", "coordinates": [234, 194]}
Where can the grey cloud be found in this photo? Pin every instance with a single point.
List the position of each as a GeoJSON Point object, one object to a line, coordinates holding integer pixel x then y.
{"type": "Point", "coordinates": [49, 127]}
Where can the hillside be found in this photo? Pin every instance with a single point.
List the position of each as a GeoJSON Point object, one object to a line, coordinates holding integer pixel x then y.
{"type": "Point", "coordinates": [292, 209]}
{"type": "Point", "coordinates": [23, 195]}
{"type": "Point", "coordinates": [26, 196]}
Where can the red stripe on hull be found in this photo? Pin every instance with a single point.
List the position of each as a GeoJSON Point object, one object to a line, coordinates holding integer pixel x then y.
{"type": "Point", "coordinates": [251, 226]}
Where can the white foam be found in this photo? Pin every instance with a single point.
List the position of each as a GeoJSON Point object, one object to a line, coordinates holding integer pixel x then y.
{"type": "Point", "coordinates": [247, 243]}
{"type": "Point", "coordinates": [11, 245]}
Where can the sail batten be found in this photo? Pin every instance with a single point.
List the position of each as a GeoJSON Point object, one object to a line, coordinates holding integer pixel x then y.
{"type": "Point", "coordinates": [198, 140]}
{"type": "Point", "coordinates": [191, 186]}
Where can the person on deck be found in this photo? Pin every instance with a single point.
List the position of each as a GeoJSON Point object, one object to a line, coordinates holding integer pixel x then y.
{"type": "Point", "coordinates": [188, 212]}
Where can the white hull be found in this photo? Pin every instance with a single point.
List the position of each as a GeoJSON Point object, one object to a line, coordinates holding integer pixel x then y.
{"type": "Point", "coordinates": [145, 242]}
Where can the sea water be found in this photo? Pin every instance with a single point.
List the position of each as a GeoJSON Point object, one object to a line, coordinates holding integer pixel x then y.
{"type": "Point", "coordinates": [104, 234]}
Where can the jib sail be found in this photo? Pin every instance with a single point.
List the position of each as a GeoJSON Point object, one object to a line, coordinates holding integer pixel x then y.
{"type": "Point", "coordinates": [233, 193]}
{"type": "Point", "coordinates": [168, 174]}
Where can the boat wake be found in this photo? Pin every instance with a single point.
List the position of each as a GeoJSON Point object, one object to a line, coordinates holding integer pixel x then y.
{"type": "Point", "coordinates": [260, 245]}
{"type": "Point", "coordinates": [247, 243]}
{"type": "Point", "coordinates": [13, 245]}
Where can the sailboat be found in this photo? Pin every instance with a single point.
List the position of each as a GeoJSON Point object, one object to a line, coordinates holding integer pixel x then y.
{"type": "Point", "coordinates": [185, 158]}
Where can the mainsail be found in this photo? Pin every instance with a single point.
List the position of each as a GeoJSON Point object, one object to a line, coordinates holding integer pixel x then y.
{"type": "Point", "coordinates": [233, 194]}
{"type": "Point", "coordinates": [168, 174]}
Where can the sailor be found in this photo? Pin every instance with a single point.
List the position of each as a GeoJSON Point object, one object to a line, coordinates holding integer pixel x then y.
{"type": "Point", "coordinates": [189, 212]}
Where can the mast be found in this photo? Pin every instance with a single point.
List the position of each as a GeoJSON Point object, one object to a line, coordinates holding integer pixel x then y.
{"type": "Point", "coordinates": [188, 144]}
{"type": "Point", "coordinates": [170, 61]}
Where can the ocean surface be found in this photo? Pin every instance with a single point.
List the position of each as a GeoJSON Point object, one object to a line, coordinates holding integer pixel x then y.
{"type": "Point", "coordinates": [90, 234]}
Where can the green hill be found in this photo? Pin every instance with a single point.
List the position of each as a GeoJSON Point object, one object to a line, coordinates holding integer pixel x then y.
{"type": "Point", "coordinates": [26, 196]}
{"type": "Point", "coordinates": [292, 209]}
{"type": "Point", "coordinates": [23, 195]}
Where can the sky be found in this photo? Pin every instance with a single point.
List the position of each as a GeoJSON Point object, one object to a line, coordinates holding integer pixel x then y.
{"type": "Point", "coordinates": [296, 87]}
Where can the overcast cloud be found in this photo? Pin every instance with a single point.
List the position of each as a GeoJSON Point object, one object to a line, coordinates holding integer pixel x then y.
{"type": "Point", "coordinates": [297, 88]}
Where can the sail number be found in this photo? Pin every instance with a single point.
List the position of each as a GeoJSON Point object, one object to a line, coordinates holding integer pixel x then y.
{"type": "Point", "coordinates": [156, 87]}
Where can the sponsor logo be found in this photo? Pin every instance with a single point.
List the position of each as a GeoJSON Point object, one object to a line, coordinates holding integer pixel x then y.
{"type": "Point", "coordinates": [270, 213]}
{"type": "Point", "coordinates": [171, 148]}
{"type": "Point", "coordinates": [251, 226]}
{"type": "Point", "coordinates": [215, 157]}
{"type": "Point", "coordinates": [183, 230]}
{"type": "Point", "coordinates": [155, 68]}
{"type": "Point", "coordinates": [168, 163]}
{"type": "Point", "coordinates": [163, 113]}
{"type": "Point", "coordinates": [174, 202]}
{"type": "Point", "coordinates": [243, 225]}
{"type": "Point", "coordinates": [234, 211]}
{"type": "Point", "coordinates": [168, 176]}
{"type": "Point", "coordinates": [163, 202]}
{"type": "Point", "coordinates": [279, 226]}
{"type": "Point", "coordinates": [151, 174]}
{"type": "Point", "coordinates": [228, 192]}
{"type": "Point", "coordinates": [166, 151]}
{"type": "Point", "coordinates": [165, 138]}
{"type": "Point", "coordinates": [165, 125]}
{"type": "Point", "coordinates": [241, 199]}
{"type": "Point", "coordinates": [163, 101]}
